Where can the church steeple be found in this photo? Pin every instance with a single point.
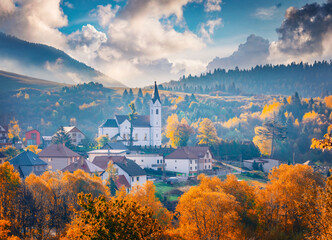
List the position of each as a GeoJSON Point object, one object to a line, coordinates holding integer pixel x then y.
{"type": "Point", "coordinates": [155, 93]}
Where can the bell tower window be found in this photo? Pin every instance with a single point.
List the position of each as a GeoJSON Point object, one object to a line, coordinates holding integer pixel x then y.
{"type": "Point", "coordinates": [157, 111]}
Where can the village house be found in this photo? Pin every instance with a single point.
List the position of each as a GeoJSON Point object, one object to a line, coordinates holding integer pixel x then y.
{"type": "Point", "coordinates": [264, 164]}
{"type": "Point", "coordinates": [28, 162]}
{"type": "Point", "coordinates": [58, 156]}
{"type": "Point", "coordinates": [4, 134]}
{"type": "Point", "coordinates": [126, 168]}
{"type": "Point", "coordinates": [84, 165]}
{"type": "Point", "coordinates": [75, 134]}
{"type": "Point", "coordinates": [144, 160]}
{"type": "Point", "coordinates": [33, 137]}
{"type": "Point", "coordinates": [146, 128]}
{"type": "Point", "coordinates": [105, 152]}
{"type": "Point", "coordinates": [189, 160]}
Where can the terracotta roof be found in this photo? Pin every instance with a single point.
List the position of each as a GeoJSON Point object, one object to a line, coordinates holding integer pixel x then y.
{"type": "Point", "coordinates": [188, 153]}
{"type": "Point", "coordinates": [102, 161]}
{"type": "Point", "coordinates": [140, 121]}
{"type": "Point", "coordinates": [84, 165]}
{"type": "Point", "coordinates": [109, 123]}
{"type": "Point", "coordinates": [122, 181]}
{"type": "Point", "coordinates": [58, 150]}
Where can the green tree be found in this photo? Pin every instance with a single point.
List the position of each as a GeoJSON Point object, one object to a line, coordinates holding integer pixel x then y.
{"type": "Point", "coordinates": [140, 93]}
{"type": "Point", "coordinates": [132, 116]}
{"type": "Point", "coordinates": [272, 131]}
{"type": "Point", "coordinates": [62, 137]}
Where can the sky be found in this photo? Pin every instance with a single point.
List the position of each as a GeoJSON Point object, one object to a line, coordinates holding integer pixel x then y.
{"type": "Point", "coordinates": [138, 42]}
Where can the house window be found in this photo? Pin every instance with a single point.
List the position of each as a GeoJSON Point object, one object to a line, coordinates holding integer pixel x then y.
{"type": "Point", "coordinates": [205, 166]}
{"type": "Point", "coordinates": [191, 168]}
{"type": "Point", "coordinates": [74, 140]}
{"type": "Point", "coordinates": [157, 111]}
{"type": "Point", "coordinates": [157, 161]}
{"type": "Point", "coordinates": [132, 179]}
{"type": "Point", "coordinates": [209, 166]}
{"type": "Point", "coordinates": [145, 137]}
{"type": "Point", "coordinates": [175, 167]}
{"type": "Point", "coordinates": [124, 136]}
{"type": "Point", "coordinates": [137, 178]}
{"type": "Point", "coordinates": [74, 134]}
{"type": "Point", "coordinates": [142, 160]}
{"type": "Point", "coordinates": [196, 167]}
{"type": "Point", "coordinates": [175, 160]}
{"type": "Point", "coordinates": [136, 136]}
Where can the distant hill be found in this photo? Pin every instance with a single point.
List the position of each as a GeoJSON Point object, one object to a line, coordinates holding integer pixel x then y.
{"type": "Point", "coordinates": [42, 61]}
{"type": "Point", "coordinates": [12, 81]}
{"type": "Point", "coordinates": [309, 80]}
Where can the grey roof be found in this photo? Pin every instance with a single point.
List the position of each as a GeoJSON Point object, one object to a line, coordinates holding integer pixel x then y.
{"type": "Point", "coordinates": [140, 121]}
{"type": "Point", "coordinates": [109, 123]}
{"type": "Point", "coordinates": [115, 145]}
{"type": "Point", "coordinates": [127, 165]}
{"type": "Point", "coordinates": [188, 153]}
{"type": "Point", "coordinates": [27, 158]}
{"type": "Point", "coordinates": [130, 167]}
{"type": "Point", "coordinates": [155, 93]}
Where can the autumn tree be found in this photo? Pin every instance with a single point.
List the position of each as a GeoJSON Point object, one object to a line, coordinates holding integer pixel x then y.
{"type": "Point", "coordinates": [324, 144]}
{"type": "Point", "coordinates": [113, 219]}
{"type": "Point", "coordinates": [279, 201]}
{"type": "Point", "coordinates": [268, 135]}
{"type": "Point", "coordinates": [102, 140]}
{"type": "Point", "coordinates": [9, 152]}
{"type": "Point", "coordinates": [207, 212]}
{"type": "Point", "coordinates": [316, 211]}
{"type": "Point", "coordinates": [112, 178]}
{"type": "Point", "coordinates": [207, 133]}
{"type": "Point", "coordinates": [14, 131]}
{"type": "Point", "coordinates": [132, 116]}
{"type": "Point", "coordinates": [62, 137]}
{"type": "Point", "coordinates": [178, 132]}
{"type": "Point", "coordinates": [145, 195]}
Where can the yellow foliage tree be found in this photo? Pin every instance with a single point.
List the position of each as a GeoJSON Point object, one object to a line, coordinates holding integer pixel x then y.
{"type": "Point", "coordinates": [145, 195]}
{"type": "Point", "coordinates": [14, 130]}
{"type": "Point", "coordinates": [207, 133]}
{"type": "Point", "coordinates": [113, 219]}
{"type": "Point", "coordinates": [178, 132]}
{"type": "Point", "coordinates": [324, 144]}
{"type": "Point", "coordinates": [278, 202]}
{"type": "Point", "coordinates": [33, 148]}
{"type": "Point", "coordinates": [207, 212]}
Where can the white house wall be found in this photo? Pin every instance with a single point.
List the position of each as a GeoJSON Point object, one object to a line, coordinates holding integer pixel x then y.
{"type": "Point", "coordinates": [110, 131]}
{"type": "Point", "coordinates": [178, 165]}
{"type": "Point", "coordinates": [146, 160]}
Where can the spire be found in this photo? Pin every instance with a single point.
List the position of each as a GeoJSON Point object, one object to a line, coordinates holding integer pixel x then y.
{"type": "Point", "coordinates": [155, 93]}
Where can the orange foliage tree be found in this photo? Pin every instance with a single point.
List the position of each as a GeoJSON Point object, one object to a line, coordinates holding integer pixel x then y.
{"type": "Point", "coordinates": [278, 202]}
{"type": "Point", "coordinates": [113, 219]}
{"type": "Point", "coordinates": [207, 212]}
{"type": "Point", "coordinates": [324, 144]}
{"type": "Point", "coordinates": [145, 195]}
{"type": "Point", "coordinates": [178, 132]}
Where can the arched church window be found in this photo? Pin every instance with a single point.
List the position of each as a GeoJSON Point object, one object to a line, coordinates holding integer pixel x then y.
{"type": "Point", "coordinates": [157, 111]}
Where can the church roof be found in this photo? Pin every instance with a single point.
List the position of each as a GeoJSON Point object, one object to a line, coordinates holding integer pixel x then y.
{"type": "Point", "coordinates": [155, 93]}
{"type": "Point", "coordinates": [109, 123]}
{"type": "Point", "coordinates": [140, 121]}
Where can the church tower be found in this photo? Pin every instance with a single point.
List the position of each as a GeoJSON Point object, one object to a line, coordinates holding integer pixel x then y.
{"type": "Point", "coordinates": [155, 117]}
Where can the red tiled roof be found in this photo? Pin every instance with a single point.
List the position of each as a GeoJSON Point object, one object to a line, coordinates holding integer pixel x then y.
{"type": "Point", "coordinates": [122, 181]}
{"type": "Point", "coordinates": [58, 150]}
{"type": "Point", "coordinates": [188, 153]}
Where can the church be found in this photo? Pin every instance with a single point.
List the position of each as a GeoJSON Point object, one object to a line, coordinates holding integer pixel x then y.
{"type": "Point", "coordinates": [146, 128]}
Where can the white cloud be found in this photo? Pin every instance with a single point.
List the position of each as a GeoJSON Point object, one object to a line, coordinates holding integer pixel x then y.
{"type": "Point", "coordinates": [68, 4]}
{"type": "Point", "coordinates": [34, 21]}
{"type": "Point", "coordinates": [207, 29]}
{"type": "Point", "coordinates": [265, 13]}
{"type": "Point", "coordinates": [105, 14]}
{"type": "Point", "coordinates": [213, 5]}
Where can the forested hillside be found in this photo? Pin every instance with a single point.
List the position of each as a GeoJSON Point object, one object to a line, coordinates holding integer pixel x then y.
{"type": "Point", "coordinates": [309, 80]}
